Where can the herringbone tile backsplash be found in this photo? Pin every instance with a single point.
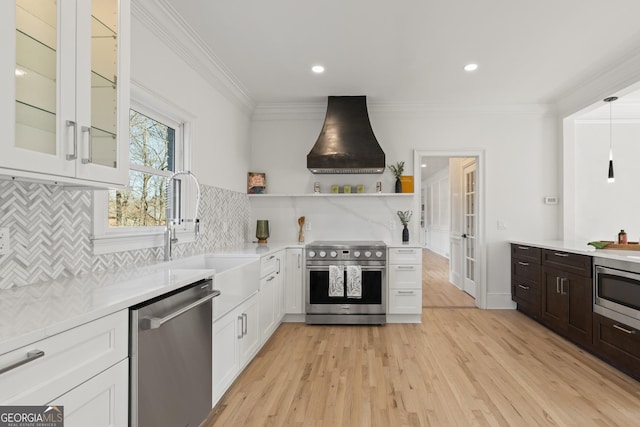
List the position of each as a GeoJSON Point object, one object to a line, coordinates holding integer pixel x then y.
{"type": "Point", "coordinates": [50, 230]}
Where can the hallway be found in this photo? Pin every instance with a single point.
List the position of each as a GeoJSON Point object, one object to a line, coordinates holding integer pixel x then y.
{"type": "Point", "coordinates": [437, 291]}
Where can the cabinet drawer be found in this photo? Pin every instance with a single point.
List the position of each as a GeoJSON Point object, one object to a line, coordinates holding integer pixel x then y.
{"type": "Point", "coordinates": [268, 265]}
{"type": "Point", "coordinates": [527, 292]}
{"type": "Point", "coordinates": [405, 256]}
{"type": "Point", "coordinates": [405, 277]}
{"type": "Point", "coordinates": [405, 301]}
{"type": "Point", "coordinates": [566, 261]}
{"type": "Point", "coordinates": [617, 343]}
{"type": "Point", "coordinates": [526, 253]}
{"type": "Point", "coordinates": [525, 270]}
{"type": "Point", "coordinates": [70, 358]}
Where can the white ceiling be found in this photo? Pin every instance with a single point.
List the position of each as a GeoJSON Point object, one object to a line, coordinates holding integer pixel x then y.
{"type": "Point", "coordinates": [413, 51]}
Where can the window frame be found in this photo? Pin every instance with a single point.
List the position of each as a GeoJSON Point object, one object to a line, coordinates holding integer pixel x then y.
{"type": "Point", "coordinates": [107, 239]}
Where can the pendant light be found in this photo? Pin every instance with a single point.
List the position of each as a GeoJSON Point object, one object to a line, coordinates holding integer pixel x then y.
{"type": "Point", "coordinates": [610, 178]}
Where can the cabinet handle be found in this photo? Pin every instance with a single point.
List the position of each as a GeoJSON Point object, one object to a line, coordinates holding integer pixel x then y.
{"type": "Point", "coordinates": [89, 158]}
{"type": "Point", "coordinates": [524, 248]}
{"type": "Point", "coordinates": [406, 292]}
{"type": "Point", "coordinates": [31, 356]}
{"type": "Point", "coordinates": [278, 265]}
{"type": "Point", "coordinates": [561, 254]}
{"type": "Point", "coordinates": [557, 285]}
{"type": "Point", "coordinates": [74, 155]}
{"type": "Point", "coordinates": [406, 267]}
{"type": "Point", "coordinates": [271, 278]}
{"type": "Point", "coordinates": [271, 257]}
{"type": "Point", "coordinates": [406, 251]}
{"type": "Point", "coordinates": [625, 330]}
{"type": "Point", "coordinates": [244, 324]}
{"type": "Point", "coordinates": [299, 258]}
{"type": "Point", "coordinates": [526, 264]}
{"type": "Point", "coordinates": [526, 288]}
{"type": "Point", "coordinates": [241, 333]}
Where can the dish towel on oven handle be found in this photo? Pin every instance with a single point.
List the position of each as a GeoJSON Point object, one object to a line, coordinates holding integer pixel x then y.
{"type": "Point", "coordinates": [336, 281]}
{"type": "Point", "coordinates": [354, 281]}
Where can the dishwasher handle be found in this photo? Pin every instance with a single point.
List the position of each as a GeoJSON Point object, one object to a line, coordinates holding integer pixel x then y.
{"type": "Point", "coordinates": [156, 322]}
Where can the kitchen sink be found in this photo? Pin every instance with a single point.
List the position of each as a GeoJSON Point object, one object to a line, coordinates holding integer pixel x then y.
{"type": "Point", "coordinates": [234, 275]}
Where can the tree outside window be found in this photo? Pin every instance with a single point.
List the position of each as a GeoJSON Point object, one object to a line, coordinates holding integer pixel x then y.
{"type": "Point", "coordinates": [152, 161]}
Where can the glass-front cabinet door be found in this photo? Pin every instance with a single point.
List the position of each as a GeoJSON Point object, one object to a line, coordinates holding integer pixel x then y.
{"type": "Point", "coordinates": [64, 88]}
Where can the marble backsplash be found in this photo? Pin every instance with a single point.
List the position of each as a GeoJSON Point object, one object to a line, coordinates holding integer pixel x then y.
{"type": "Point", "coordinates": [50, 230]}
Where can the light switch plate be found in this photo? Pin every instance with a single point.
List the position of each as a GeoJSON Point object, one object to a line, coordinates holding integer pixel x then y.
{"type": "Point", "coordinates": [5, 246]}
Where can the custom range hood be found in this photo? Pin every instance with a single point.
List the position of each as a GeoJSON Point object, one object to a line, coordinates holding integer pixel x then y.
{"type": "Point", "coordinates": [346, 143]}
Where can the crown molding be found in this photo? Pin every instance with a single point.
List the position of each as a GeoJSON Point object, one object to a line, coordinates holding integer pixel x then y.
{"type": "Point", "coordinates": [161, 18]}
{"type": "Point", "coordinates": [311, 111]}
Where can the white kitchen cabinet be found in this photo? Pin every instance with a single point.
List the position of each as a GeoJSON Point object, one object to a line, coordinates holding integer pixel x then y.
{"type": "Point", "coordinates": [235, 342]}
{"type": "Point", "coordinates": [85, 369]}
{"type": "Point", "coordinates": [405, 281]}
{"type": "Point", "coordinates": [100, 402]}
{"type": "Point", "coordinates": [64, 90]}
{"type": "Point", "coordinates": [294, 282]}
{"type": "Point", "coordinates": [271, 295]}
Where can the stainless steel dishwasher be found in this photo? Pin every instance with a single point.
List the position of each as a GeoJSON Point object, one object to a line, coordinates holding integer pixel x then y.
{"type": "Point", "coordinates": [171, 358]}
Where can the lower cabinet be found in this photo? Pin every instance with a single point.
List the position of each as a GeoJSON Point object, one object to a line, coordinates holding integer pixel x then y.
{"type": "Point", "coordinates": [84, 369]}
{"type": "Point", "coordinates": [100, 402]}
{"type": "Point", "coordinates": [236, 339]}
{"type": "Point", "coordinates": [617, 343]}
{"type": "Point", "coordinates": [271, 296]}
{"type": "Point", "coordinates": [294, 282]}
{"type": "Point", "coordinates": [405, 281]}
{"type": "Point", "coordinates": [567, 304]}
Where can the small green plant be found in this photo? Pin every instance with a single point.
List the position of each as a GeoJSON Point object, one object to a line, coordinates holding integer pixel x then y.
{"type": "Point", "coordinates": [405, 217]}
{"type": "Point", "coordinates": [397, 169]}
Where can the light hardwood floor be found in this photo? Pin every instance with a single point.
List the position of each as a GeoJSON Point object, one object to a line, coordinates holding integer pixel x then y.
{"type": "Point", "coordinates": [436, 289]}
{"type": "Point", "coordinates": [460, 367]}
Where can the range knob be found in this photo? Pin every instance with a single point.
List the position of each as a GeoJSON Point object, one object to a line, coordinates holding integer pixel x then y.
{"type": "Point", "coordinates": [367, 254]}
{"type": "Point", "coordinates": [379, 254]}
{"type": "Point", "coordinates": [333, 254]}
{"type": "Point", "coordinates": [311, 254]}
{"type": "Point", "coordinates": [323, 254]}
{"type": "Point", "coordinates": [356, 254]}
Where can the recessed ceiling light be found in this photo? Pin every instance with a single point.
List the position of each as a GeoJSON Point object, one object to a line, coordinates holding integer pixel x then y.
{"type": "Point", "coordinates": [471, 67]}
{"type": "Point", "coordinates": [20, 72]}
{"type": "Point", "coordinates": [423, 165]}
{"type": "Point", "coordinates": [318, 69]}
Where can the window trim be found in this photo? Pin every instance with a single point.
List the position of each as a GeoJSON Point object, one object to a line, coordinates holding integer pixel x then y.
{"type": "Point", "coordinates": [109, 240]}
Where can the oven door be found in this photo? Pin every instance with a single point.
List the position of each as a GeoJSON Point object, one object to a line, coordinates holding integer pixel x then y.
{"type": "Point", "coordinates": [617, 295]}
{"type": "Point", "coordinates": [373, 299]}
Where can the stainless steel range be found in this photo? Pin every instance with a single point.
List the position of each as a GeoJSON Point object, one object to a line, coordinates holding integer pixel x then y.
{"type": "Point", "coordinates": [346, 282]}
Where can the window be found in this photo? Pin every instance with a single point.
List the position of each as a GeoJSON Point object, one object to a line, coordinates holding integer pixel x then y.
{"type": "Point", "coordinates": [135, 217]}
{"type": "Point", "coordinates": [152, 160]}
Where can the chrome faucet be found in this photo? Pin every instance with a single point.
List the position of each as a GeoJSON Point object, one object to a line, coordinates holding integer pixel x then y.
{"type": "Point", "coordinates": [170, 231]}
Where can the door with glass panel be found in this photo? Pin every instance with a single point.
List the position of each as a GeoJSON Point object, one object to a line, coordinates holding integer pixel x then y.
{"type": "Point", "coordinates": [60, 88]}
{"type": "Point", "coordinates": [470, 221]}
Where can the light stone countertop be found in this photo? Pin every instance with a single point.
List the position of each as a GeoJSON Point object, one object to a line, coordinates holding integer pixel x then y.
{"type": "Point", "coordinates": [33, 312]}
{"type": "Point", "coordinates": [583, 249]}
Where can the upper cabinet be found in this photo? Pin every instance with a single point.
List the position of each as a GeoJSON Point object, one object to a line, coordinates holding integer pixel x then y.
{"type": "Point", "coordinates": [64, 90]}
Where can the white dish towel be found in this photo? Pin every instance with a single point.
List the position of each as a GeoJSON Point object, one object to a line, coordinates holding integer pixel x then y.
{"type": "Point", "coordinates": [354, 281]}
{"type": "Point", "coordinates": [336, 281]}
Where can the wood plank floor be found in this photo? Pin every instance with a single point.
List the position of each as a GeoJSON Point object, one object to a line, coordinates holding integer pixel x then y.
{"type": "Point", "coordinates": [436, 289]}
{"type": "Point", "coordinates": [460, 367]}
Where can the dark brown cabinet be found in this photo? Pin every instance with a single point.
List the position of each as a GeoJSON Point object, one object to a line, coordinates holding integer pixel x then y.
{"type": "Point", "coordinates": [617, 343]}
{"type": "Point", "coordinates": [525, 278]}
{"type": "Point", "coordinates": [567, 295]}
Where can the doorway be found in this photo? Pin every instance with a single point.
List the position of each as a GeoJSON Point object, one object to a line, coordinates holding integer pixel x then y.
{"type": "Point", "coordinates": [450, 204]}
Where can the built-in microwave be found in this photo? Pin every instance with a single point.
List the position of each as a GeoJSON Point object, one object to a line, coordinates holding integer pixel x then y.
{"type": "Point", "coordinates": [616, 290]}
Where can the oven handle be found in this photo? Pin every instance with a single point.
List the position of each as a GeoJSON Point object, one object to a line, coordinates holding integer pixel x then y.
{"type": "Point", "coordinates": [363, 267]}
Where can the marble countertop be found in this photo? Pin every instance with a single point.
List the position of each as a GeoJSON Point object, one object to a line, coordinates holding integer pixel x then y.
{"type": "Point", "coordinates": [582, 248]}
{"type": "Point", "coordinates": [31, 313]}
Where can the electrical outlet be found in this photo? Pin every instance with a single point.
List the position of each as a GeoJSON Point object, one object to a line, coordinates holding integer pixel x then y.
{"type": "Point", "coordinates": [307, 225]}
{"type": "Point", "coordinates": [5, 245]}
{"type": "Point", "coordinates": [392, 224]}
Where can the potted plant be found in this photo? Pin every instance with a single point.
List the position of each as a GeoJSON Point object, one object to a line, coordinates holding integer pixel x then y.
{"type": "Point", "coordinates": [405, 217]}
{"type": "Point", "coordinates": [397, 171]}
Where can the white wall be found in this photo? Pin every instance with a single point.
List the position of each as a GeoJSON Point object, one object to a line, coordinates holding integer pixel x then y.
{"type": "Point", "coordinates": [438, 213]}
{"type": "Point", "coordinates": [602, 209]}
{"type": "Point", "coordinates": [220, 129]}
{"type": "Point", "coordinates": [520, 146]}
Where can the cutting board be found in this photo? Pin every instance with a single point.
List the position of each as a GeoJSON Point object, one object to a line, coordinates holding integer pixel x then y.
{"type": "Point", "coordinates": [631, 246]}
